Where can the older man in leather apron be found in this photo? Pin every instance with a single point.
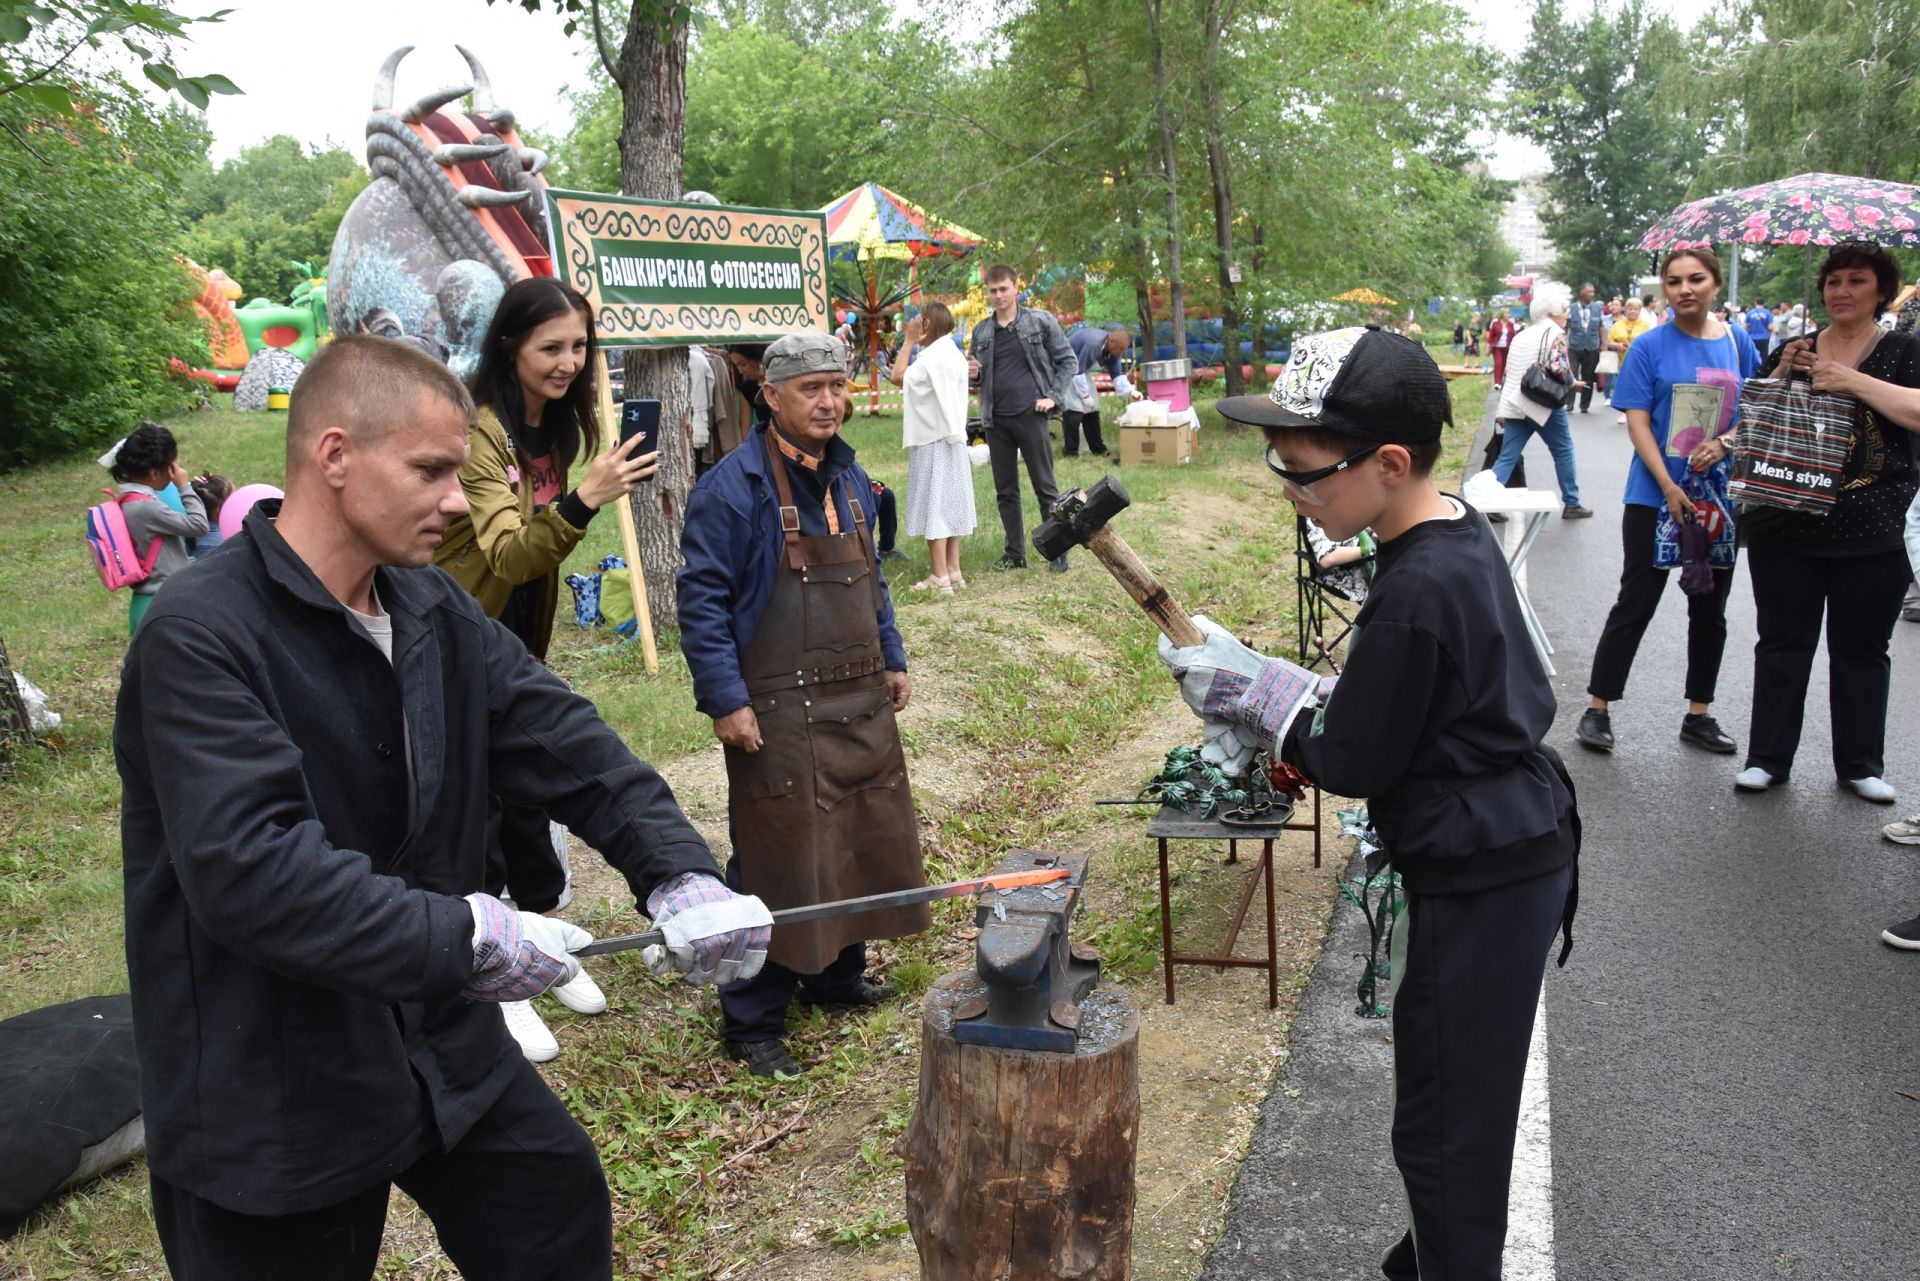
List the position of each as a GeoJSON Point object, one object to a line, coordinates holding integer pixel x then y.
{"type": "Point", "coordinates": [788, 630]}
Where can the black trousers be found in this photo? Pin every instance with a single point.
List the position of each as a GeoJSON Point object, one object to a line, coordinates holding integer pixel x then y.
{"type": "Point", "coordinates": [887, 519]}
{"type": "Point", "coordinates": [1640, 588]}
{"type": "Point", "coordinates": [1072, 423]}
{"type": "Point", "coordinates": [1467, 973]}
{"type": "Point", "coordinates": [1585, 365]}
{"type": "Point", "coordinates": [521, 1198]}
{"type": "Point", "coordinates": [1859, 596]}
{"type": "Point", "coordinates": [1022, 437]}
{"type": "Point", "coordinates": [755, 1009]}
{"type": "Point", "coordinates": [521, 864]}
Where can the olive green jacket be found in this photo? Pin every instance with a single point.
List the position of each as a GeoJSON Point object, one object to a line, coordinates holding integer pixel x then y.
{"type": "Point", "coordinates": [502, 541]}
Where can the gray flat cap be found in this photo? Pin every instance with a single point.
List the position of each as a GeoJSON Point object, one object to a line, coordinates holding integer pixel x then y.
{"type": "Point", "coordinates": [798, 354]}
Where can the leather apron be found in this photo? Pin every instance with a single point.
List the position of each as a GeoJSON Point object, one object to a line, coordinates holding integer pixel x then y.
{"type": "Point", "coordinates": [823, 810]}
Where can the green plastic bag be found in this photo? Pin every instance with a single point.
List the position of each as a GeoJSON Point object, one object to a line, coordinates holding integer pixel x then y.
{"type": "Point", "coordinates": [616, 601]}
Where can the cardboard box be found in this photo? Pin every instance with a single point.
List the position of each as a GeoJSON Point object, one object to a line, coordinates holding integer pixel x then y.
{"type": "Point", "coordinates": [1150, 446]}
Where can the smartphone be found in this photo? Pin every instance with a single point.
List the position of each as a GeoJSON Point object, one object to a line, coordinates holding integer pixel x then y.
{"type": "Point", "coordinates": [640, 418]}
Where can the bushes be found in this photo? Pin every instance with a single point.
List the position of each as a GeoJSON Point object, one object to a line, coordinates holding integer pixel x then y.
{"type": "Point", "coordinates": [92, 300]}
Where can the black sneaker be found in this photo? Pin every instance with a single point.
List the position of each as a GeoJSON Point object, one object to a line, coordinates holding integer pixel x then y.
{"type": "Point", "coordinates": [1704, 731]}
{"type": "Point", "coordinates": [1496, 518]}
{"type": "Point", "coordinates": [1595, 729]}
{"type": "Point", "coordinates": [763, 1058]}
{"type": "Point", "coordinates": [862, 996]}
{"type": "Point", "coordinates": [1905, 935]}
{"type": "Point", "coordinates": [892, 553]}
{"type": "Point", "coordinates": [1058, 564]}
{"type": "Point", "coordinates": [1009, 561]}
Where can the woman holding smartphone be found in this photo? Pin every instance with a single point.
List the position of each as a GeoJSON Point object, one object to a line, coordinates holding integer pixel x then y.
{"type": "Point", "coordinates": [535, 393]}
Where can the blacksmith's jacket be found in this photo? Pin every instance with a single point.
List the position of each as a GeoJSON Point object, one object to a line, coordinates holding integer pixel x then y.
{"type": "Point", "coordinates": [297, 937]}
{"type": "Point", "coordinates": [731, 549]}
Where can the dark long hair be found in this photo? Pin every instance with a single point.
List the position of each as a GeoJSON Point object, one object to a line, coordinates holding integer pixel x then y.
{"type": "Point", "coordinates": [527, 305]}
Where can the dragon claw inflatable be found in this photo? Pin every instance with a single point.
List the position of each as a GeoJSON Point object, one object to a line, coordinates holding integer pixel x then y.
{"type": "Point", "coordinates": [455, 213]}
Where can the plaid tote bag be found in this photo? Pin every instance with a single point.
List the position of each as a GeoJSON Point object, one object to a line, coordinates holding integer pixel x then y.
{"type": "Point", "coordinates": [1791, 446]}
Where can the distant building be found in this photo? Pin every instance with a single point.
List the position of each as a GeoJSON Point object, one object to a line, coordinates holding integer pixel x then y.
{"type": "Point", "coordinates": [1520, 224]}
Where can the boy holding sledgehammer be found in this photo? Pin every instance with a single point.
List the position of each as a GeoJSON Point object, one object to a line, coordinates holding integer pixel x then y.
{"type": "Point", "coordinates": [1437, 722]}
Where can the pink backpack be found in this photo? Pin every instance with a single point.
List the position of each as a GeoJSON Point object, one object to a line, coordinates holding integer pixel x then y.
{"type": "Point", "coordinates": [111, 543]}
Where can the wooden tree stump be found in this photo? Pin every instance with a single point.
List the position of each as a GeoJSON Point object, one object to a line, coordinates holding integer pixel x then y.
{"type": "Point", "coordinates": [1020, 1164]}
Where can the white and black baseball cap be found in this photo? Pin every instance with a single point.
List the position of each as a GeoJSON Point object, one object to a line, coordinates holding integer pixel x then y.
{"type": "Point", "coordinates": [1361, 382]}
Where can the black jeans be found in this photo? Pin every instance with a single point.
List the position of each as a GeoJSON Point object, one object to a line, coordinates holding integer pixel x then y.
{"type": "Point", "coordinates": [521, 1198]}
{"type": "Point", "coordinates": [755, 1009]}
{"type": "Point", "coordinates": [1640, 588]}
{"type": "Point", "coordinates": [521, 864]}
{"type": "Point", "coordinates": [1467, 973]}
{"type": "Point", "coordinates": [1009, 441]}
{"type": "Point", "coordinates": [887, 518]}
{"type": "Point", "coordinates": [1859, 596]}
{"type": "Point", "coordinates": [1072, 423]}
{"type": "Point", "coordinates": [1585, 363]}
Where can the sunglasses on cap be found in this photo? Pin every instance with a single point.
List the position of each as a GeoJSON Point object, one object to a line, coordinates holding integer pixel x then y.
{"type": "Point", "coordinates": [1300, 484]}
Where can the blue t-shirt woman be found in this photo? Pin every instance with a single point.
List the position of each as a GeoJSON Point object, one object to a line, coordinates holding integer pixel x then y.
{"type": "Point", "coordinates": [1680, 388]}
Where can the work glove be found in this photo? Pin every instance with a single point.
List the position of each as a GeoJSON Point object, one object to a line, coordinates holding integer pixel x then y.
{"type": "Point", "coordinates": [1223, 679]}
{"type": "Point", "coordinates": [713, 935]}
{"type": "Point", "coordinates": [1227, 745]}
{"type": "Point", "coordinates": [518, 955]}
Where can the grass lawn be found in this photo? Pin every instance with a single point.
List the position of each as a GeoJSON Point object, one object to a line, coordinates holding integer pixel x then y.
{"type": "Point", "coordinates": [1034, 695]}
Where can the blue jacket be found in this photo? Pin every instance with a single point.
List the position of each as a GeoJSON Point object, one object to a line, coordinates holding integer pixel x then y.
{"type": "Point", "coordinates": [1090, 351]}
{"type": "Point", "coordinates": [731, 546]}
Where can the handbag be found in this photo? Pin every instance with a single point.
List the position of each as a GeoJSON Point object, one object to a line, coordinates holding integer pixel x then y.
{"type": "Point", "coordinates": [1542, 385]}
{"type": "Point", "coordinates": [1609, 362]}
{"type": "Point", "coordinates": [1791, 447]}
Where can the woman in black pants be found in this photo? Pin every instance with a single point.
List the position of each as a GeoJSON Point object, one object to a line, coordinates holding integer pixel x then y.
{"type": "Point", "coordinates": [1695, 350]}
{"type": "Point", "coordinates": [1849, 565]}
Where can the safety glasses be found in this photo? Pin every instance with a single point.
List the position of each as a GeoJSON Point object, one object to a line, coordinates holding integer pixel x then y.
{"type": "Point", "coordinates": [1299, 485]}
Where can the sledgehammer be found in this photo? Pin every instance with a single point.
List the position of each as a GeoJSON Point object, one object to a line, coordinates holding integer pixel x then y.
{"type": "Point", "coordinates": [1079, 519]}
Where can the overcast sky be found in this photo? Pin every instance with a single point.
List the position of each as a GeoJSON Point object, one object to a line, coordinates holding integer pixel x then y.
{"type": "Point", "coordinates": [308, 69]}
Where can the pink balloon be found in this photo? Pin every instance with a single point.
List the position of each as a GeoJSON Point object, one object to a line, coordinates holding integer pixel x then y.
{"type": "Point", "coordinates": [239, 503]}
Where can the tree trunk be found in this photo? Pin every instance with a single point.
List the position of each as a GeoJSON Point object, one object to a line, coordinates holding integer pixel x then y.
{"type": "Point", "coordinates": [1143, 274]}
{"type": "Point", "coordinates": [15, 728]}
{"type": "Point", "coordinates": [652, 75]}
{"type": "Point", "coordinates": [1020, 1164]}
{"type": "Point", "coordinates": [1222, 178]}
{"type": "Point", "coordinates": [1170, 171]}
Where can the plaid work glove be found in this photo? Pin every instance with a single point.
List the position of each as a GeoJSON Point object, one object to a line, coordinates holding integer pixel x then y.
{"type": "Point", "coordinates": [713, 935]}
{"type": "Point", "coordinates": [518, 955]}
{"type": "Point", "coordinates": [1223, 680]}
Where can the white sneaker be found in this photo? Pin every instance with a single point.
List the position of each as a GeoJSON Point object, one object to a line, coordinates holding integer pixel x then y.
{"type": "Point", "coordinates": [1753, 779]}
{"type": "Point", "coordinates": [582, 995]}
{"type": "Point", "coordinates": [530, 1030]}
{"type": "Point", "coordinates": [1877, 790]}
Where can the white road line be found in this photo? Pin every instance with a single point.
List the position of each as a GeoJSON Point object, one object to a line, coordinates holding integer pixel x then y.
{"type": "Point", "coordinates": [1529, 1255]}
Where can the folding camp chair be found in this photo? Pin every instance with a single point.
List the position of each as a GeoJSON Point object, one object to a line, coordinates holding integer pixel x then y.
{"type": "Point", "coordinates": [1321, 604]}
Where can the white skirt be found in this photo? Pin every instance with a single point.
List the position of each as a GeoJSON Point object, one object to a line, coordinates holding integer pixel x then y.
{"type": "Point", "coordinates": [939, 491]}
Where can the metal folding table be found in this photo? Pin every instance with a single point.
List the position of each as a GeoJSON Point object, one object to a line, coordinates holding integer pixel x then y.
{"type": "Point", "coordinates": [1177, 825]}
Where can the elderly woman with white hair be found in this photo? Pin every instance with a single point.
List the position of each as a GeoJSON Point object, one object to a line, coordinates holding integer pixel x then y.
{"type": "Point", "coordinates": [1519, 417]}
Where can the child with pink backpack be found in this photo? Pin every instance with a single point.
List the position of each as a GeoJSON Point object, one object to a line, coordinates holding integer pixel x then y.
{"type": "Point", "coordinates": [144, 464]}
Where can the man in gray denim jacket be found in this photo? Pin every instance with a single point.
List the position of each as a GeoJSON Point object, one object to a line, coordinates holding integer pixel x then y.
{"type": "Point", "coordinates": [1016, 396]}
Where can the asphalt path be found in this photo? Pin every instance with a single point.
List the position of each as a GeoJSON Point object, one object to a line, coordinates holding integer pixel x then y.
{"type": "Point", "coordinates": [1734, 1057]}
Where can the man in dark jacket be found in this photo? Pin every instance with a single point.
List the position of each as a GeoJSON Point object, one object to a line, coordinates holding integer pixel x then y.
{"type": "Point", "coordinates": [308, 726]}
{"type": "Point", "coordinates": [1026, 371]}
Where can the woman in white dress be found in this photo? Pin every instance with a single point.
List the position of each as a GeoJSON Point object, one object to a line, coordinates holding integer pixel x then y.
{"type": "Point", "coordinates": [933, 380]}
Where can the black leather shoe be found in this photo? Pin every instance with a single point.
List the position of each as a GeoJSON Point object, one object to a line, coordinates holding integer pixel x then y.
{"type": "Point", "coordinates": [1595, 729]}
{"type": "Point", "coordinates": [861, 996]}
{"type": "Point", "coordinates": [1704, 731]}
{"type": "Point", "coordinates": [1009, 562]}
{"type": "Point", "coordinates": [763, 1058]}
{"type": "Point", "coordinates": [893, 553]}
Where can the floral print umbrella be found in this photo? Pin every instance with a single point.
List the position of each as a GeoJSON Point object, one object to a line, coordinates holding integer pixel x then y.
{"type": "Point", "coordinates": [1811, 209]}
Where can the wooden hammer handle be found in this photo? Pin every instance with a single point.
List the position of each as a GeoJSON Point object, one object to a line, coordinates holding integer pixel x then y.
{"type": "Point", "coordinates": [1174, 622]}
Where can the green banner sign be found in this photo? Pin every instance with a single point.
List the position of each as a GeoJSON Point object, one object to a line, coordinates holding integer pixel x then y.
{"type": "Point", "coordinates": [661, 273]}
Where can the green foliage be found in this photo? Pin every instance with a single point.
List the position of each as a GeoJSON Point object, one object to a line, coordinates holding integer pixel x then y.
{"type": "Point", "coordinates": [1606, 96]}
{"type": "Point", "coordinates": [95, 301]}
{"type": "Point", "coordinates": [41, 42]}
{"type": "Point", "coordinates": [275, 203]}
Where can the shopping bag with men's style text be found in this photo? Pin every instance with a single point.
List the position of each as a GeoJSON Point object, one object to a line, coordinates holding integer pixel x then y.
{"type": "Point", "coordinates": [1791, 445]}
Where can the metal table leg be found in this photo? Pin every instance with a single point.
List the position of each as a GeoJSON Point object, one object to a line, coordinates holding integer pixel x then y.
{"type": "Point", "coordinates": [1166, 923]}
